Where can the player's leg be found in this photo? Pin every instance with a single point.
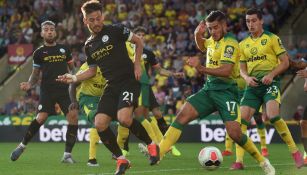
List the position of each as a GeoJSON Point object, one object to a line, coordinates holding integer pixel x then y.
{"type": "Point", "coordinates": [197, 104]}
{"type": "Point", "coordinates": [272, 103]}
{"type": "Point", "coordinates": [128, 100]}
{"type": "Point", "coordinates": [46, 105]}
{"type": "Point", "coordinates": [94, 140]}
{"type": "Point", "coordinates": [303, 124]}
{"type": "Point", "coordinates": [122, 138]}
{"type": "Point", "coordinates": [228, 146]}
{"type": "Point", "coordinates": [88, 105]}
{"type": "Point", "coordinates": [106, 111]}
{"type": "Point", "coordinates": [249, 103]}
{"type": "Point", "coordinates": [261, 131]}
{"type": "Point", "coordinates": [159, 121]}
{"type": "Point", "coordinates": [71, 113]}
{"type": "Point", "coordinates": [227, 105]}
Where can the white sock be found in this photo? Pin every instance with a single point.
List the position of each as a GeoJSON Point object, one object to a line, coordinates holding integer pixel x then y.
{"type": "Point", "coordinates": [67, 154]}
{"type": "Point", "coordinates": [22, 145]}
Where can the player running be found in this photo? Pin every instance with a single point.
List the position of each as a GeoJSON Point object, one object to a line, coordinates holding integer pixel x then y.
{"type": "Point", "coordinates": [220, 91]}
{"type": "Point", "coordinates": [52, 60]}
{"type": "Point", "coordinates": [106, 49]}
{"type": "Point", "coordinates": [262, 59]}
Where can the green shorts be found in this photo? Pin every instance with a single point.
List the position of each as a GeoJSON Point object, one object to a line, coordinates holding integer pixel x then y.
{"type": "Point", "coordinates": [254, 97]}
{"type": "Point", "coordinates": [144, 96]}
{"type": "Point", "coordinates": [224, 101]}
{"type": "Point", "coordinates": [88, 105]}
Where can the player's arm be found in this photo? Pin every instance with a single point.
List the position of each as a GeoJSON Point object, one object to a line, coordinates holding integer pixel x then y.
{"type": "Point", "coordinates": [166, 72]}
{"type": "Point", "coordinates": [71, 67]}
{"type": "Point", "coordinates": [139, 45]}
{"type": "Point", "coordinates": [72, 95]}
{"type": "Point", "coordinates": [33, 79]}
{"type": "Point", "coordinates": [251, 81]}
{"type": "Point", "coordinates": [223, 71]}
{"type": "Point", "coordinates": [282, 66]}
{"type": "Point", "coordinates": [70, 78]}
{"type": "Point", "coordinates": [199, 36]}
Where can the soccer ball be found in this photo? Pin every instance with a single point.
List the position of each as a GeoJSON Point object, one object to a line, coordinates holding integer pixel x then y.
{"type": "Point", "coordinates": [210, 158]}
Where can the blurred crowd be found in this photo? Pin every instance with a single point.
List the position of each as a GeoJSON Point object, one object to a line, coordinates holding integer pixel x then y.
{"type": "Point", "coordinates": [170, 26]}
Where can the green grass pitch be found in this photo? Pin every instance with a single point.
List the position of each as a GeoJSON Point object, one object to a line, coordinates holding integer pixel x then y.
{"type": "Point", "coordinates": [44, 159]}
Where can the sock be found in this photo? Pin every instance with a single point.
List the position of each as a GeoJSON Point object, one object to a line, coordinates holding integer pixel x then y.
{"type": "Point", "coordinates": [247, 144]}
{"type": "Point", "coordinates": [239, 150]}
{"type": "Point", "coordinates": [109, 140]}
{"type": "Point", "coordinates": [145, 123]}
{"type": "Point", "coordinates": [122, 136]}
{"type": "Point", "coordinates": [170, 138]}
{"type": "Point", "coordinates": [261, 132]}
{"type": "Point", "coordinates": [32, 130]}
{"type": "Point", "coordinates": [71, 137]}
{"type": "Point", "coordinates": [94, 139]}
{"type": "Point", "coordinates": [126, 144]}
{"type": "Point", "coordinates": [304, 141]}
{"type": "Point", "coordinates": [139, 131]}
{"type": "Point", "coordinates": [283, 130]}
{"type": "Point", "coordinates": [228, 143]}
{"type": "Point", "coordinates": [154, 126]}
{"type": "Point", "coordinates": [163, 126]}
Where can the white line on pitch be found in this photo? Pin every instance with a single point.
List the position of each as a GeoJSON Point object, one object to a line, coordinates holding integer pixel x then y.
{"type": "Point", "coordinates": [184, 169]}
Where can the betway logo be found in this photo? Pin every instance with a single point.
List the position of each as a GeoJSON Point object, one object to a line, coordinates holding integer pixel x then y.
{"type": "Point", "coordinates": [256, 58]}
{"type": "Point", "coordinates": [218, 134]}
{"type": "Point", "coordinates": [59, 134]}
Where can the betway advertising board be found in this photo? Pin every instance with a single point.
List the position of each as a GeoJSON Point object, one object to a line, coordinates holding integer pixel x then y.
{"type": "Point", "coordinates": [191, 133]}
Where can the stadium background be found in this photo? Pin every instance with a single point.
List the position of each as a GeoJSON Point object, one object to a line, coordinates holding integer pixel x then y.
{"type": "Point", "coordinates": [170, 25]}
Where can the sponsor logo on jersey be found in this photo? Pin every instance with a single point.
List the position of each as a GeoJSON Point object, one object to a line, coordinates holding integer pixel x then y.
{"type": "Point", "coordinates": [256, 58]}
{"type": "Point", "coordinates": [213, 62]}
{"type": "Point", "coordinates": [102, 52]}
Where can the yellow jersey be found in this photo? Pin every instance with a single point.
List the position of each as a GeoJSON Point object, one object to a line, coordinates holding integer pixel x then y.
{"type": "Point", "coordinates": [261, 54]}
{"type": "Point", "coordinates": [224, 51]}
{"type": "Point", "coordinates": [93, 86]}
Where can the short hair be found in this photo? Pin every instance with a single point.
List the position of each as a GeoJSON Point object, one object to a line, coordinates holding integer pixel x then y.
{"type": "Point", "coordinates": [216, 15]}
{"type": "Point", "coordinates": [47, 23]}
{"type": "Point", "coordinates": [91, 6]}
{"type": "Point", "coordinates": [139, 29]}
{"type": "Point", "coordinates": [254, 11]}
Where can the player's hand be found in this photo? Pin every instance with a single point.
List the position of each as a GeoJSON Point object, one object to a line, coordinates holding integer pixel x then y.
{"type": "Point", "coordinates": [200, 29]}
{"type": "Point", "coordinates": [251, 81]}
{"type": "Point", "coordinates": [193, 61]}
{"type": "Point", "coordinates": [302, 73]}
{"type": "Point", "coordinates": [267, 80]}
{"type": "Point", "coordinates": [178, 74]}
{"type": "Point", "coordinates": [25, 86]}
{"type": "Point", "coordinates": [305, 86]}
{"type": "Point", "coordinates": [137, 71]}
{"type": "Point", "coordinates": [73, 106]}
{"type": "Point", "coordinates": [67, 78]}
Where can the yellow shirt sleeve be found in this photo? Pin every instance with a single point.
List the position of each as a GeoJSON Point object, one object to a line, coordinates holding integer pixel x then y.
{"type": "Point", "coordinates": [242, 55]}
{"type": "Point", "coordinates": [229, 52]}
{"type": "Point", "coordinates": [277, 45]}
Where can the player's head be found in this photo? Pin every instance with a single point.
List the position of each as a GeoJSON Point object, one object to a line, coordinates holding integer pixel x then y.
{"type": "Point", "coordinates": [140, 32]}
{"type": "Point", "coordinates": [92, 15]}
{"type": "Point", "coordinates": [48, 31]}
{"type": "Point", "coordinates": [216, 24]}
{"type": "Point", "coordinates": [254, 20]}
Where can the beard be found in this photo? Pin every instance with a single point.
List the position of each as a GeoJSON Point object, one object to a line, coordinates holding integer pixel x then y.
{"type": "Point", "coordinates": [49, 40]}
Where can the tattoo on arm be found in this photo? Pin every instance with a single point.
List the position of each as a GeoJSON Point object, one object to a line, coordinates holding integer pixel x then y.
{"type": "Point", "coordinates": [34, 77]}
